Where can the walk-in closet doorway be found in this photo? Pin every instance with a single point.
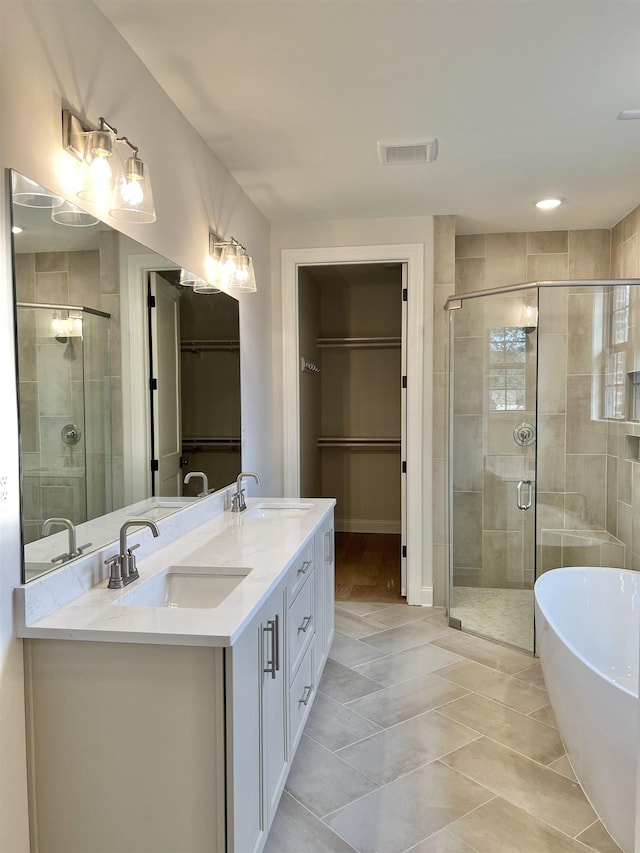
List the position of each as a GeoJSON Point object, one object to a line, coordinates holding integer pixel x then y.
{"type": "Point", "coordinates": [352, 427]}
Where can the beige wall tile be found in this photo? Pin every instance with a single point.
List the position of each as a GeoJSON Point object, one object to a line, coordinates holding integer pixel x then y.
{"type": "Point", "coordinates": [25, 278]}
{"type": "Point", "coordinates": [586, 475]}
{"type": "Point", "coordinates": [84, 279]}
{"type": "Point", "coordinates": [547, 267]}
{"type": "Point", "coordinates": [552, 373]}
{"type": "Point", "coordinates": [584, 433]}
{"type": "Point", "coordinates": [506, 259]}
{"type": "Point", "coordinates": [467, 526]}
{"type": "Point", "coordinates": [470, 275]}
{"type": "Point", "coordinates": [467, 460]}
{"type": "Point", "coordinates": [468, 387]}
{"type": "Point", "coordinates": [546, 242]}
{"type": "Point", "coordinates": [551, 453]}
{"type": "Point", "coordinates": [631, 223]}
{"type": "Point", "coordinates": [590, 254]}
{"type": "Point", "coordinates": [580, 343]}
{"type": "Point", "coordinates": [52, 287]}
{"type": "Point", "coordinates": [630, 257]}
{"type": "Point", "coordinates": [470, 246]}
{"type": "Point", "coordinates": [445, 249]}
{"type": "Point", "coordinates": [51, 261]}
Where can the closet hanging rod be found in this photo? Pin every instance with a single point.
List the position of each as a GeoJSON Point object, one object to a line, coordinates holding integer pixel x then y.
{"type": "Point", "coordinates": [209, 443]}
{"type": "Point", "coordinates": [344, 441]}
{"type": "Point", "coordinates": [355, 343]}
{"type": "Point", "coordinates": [198, 347]}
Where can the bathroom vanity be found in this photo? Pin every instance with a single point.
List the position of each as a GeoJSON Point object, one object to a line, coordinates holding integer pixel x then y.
{"type": "Point", "coordinates": [164, 717]}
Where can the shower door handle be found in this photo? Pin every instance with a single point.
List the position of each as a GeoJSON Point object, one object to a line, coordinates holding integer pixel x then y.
{"type": "Point", "coordinates": [524, 487]}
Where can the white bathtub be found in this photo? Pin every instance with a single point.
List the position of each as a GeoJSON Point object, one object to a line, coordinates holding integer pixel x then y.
{"type": "Point", "coordinates": [588, 636]}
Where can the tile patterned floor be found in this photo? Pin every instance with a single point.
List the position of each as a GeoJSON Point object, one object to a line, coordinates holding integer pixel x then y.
{"type": "Point", "coordinates": [428, 740]}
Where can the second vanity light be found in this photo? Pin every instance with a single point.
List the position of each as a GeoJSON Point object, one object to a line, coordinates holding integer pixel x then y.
{"type": "Point", "coordinates": [112, 175]}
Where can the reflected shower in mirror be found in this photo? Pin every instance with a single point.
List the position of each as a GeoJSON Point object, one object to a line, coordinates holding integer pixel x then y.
{"type": "Point", "coordinates": [71, 298]}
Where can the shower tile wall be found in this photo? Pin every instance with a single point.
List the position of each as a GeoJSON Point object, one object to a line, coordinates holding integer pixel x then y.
{"type": "Point", "coordinates": [91, 279]}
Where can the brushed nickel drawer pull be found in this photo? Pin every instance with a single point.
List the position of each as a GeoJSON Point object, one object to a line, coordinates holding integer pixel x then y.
{"type": "Point", "coordinates": [305, 624]}
{"type": "Point", "coordinates": [308, 690]}
{"type": "Point", "coordinates": [304, 567]}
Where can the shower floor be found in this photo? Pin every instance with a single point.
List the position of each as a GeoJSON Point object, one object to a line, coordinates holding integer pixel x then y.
{"type": "Point", "coordinates": [505, 615]}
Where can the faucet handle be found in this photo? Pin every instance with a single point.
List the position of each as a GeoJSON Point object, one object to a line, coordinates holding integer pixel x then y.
{"type": "Point", "coordinates": [115, 574]}
{"type": "Point", "coordinates": [131, 562]}
{"type": "Point", "coordinates": [82, 547]}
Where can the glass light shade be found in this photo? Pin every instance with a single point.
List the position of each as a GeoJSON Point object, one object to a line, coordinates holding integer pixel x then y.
{"type": "Point", "coordinates": [243, 278]}
{"type": "Point", "coordinates": [28, 193]}
{"type": "Point", "coordinates": [206, 287]}
{"type": "Point", "coordinates": [99, 170]}
{"type": "Point", "coordinates": [132, 199]}
{"type": "Point", "coordinates": [187, 279]}
{"type": "Point", "coordinates": [75, 217]}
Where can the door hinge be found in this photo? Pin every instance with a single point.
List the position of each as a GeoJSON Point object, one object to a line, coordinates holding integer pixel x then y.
{"type": "Point", "coordinates": [404, 551]}
{"type": "Point", "coordinates": [404, 467]}
{"type": "Point", "coordinates": [404, 381]}
{"type": "Point", "coordinates": [151, 301]}
{"type": "Point", "coordinates": [155, 466]}
{"type": "Point", "coordinates": [405, 294]}
{"type": "Point", "coordinates": [153, 384]}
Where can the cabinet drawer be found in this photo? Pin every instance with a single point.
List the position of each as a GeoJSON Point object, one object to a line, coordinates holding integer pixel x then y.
{"type": "Point", "coordinates": [300, 570]}
{"type": "Point", "coordinates": [302, 622]}
{"type": "Point", "coordinates": [301, 695]}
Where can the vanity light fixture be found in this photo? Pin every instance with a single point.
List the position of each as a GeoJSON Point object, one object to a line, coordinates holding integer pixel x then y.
{"type": "Point", "coordinates": [199, 285]}
{"type": "Point", "coordinates": [112, 175]}
{"type": "Point", "coordinates": [548, 203]}
{"type": "Point", "coordinates": [234, 267]}
{"type": "Point", "coordinates": [70, 215]}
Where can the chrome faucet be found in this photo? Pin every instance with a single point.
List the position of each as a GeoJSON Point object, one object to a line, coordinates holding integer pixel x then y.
{"type": "Point", "coordinates": [123, 565]}
{"type": "Point", "coordinates": [205, 482]}
{"type": "Point", "coordinates": [73, 551]}
{"type": "Point", "coordinates": [237, 498]}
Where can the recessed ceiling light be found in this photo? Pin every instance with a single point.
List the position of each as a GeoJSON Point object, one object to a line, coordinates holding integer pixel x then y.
{"type": "Point", "coordinates": [16, 229]}
{"type": "Point", "coordinates": [548, 203]}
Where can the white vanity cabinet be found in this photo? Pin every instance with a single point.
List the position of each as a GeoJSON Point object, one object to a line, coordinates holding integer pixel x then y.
{"type": "Point", "coordinates": [137, 747]}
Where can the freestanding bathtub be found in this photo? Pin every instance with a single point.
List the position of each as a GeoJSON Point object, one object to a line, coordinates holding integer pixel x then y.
{"type": "Point", "coordinates": [588, 636]}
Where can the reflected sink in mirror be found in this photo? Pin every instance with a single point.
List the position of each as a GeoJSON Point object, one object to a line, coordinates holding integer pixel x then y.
{"type": "Point", "coordinates": [185, 586]}
{"type": "Point", "coordinates": [284, 510]}
{"type": "Point", "coordinates": [161, 507]}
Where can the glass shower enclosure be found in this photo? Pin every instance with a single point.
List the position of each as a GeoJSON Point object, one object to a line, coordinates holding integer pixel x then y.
{"type": "Point", "coordinates": [544, 441]}
{"type": "Point", "coordinates": [65, 414]}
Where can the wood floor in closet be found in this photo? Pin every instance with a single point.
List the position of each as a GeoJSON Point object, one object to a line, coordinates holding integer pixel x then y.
{"type": "Point", "coordinates": [368, 567]}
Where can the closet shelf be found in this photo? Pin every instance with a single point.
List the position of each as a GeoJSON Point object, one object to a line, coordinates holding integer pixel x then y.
{"type": "Point", "coordinates": [198, 347]}
{"type": "Point", "coordinates": [368, 443]}
{"type": "Point", "coordinates": [360, 343]}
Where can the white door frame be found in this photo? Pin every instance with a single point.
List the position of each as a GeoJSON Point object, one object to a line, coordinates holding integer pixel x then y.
{"type": "Point", "coordinates": [413, 255]}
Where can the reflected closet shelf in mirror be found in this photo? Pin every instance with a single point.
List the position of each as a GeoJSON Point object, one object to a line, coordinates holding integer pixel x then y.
{"type": "Point", "coordinates": [198, 347]}
{"type": "Point", "coordinates": [210, 443]}
{"type": "Point", "coordinates": [369, 443]}
{"type": "Point", "coordinates": [360, 343]}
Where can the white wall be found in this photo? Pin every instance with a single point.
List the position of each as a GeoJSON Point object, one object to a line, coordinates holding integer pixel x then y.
{"type": "Point", "coordinates": [54, 51]}
{"type": "Point", "coordinates": [366, 232]}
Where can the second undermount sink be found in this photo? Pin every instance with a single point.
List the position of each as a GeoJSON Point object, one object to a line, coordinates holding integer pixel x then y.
{"type": "Point", "coordinates": [185, 586]}
{"type": "Point", "coordinates": [278, 510]}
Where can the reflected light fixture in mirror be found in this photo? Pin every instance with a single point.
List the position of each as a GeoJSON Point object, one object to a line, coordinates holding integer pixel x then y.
{"type": "Point", "coordinates": [74, 217]}
{"type": "Point", "coordinates": [28, 193]}
{"type": "Point", "coordinates": [234, 266]}
{"type": "Point", "coordinates": [112, 174]}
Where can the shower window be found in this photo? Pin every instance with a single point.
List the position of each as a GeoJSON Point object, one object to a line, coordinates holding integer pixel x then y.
{"type": "Point", "coordinates": [615, 364]}
{"type": "Point", "coordinates": [507, 351]}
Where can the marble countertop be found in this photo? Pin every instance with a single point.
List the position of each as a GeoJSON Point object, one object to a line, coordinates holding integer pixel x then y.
{"type": "Point", "coordinates": [69, 606]}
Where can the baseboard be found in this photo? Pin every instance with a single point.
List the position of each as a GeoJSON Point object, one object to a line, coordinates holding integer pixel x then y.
{"type": "Point", "coordinates": [426, 598]}
{"type": "Point", "coordinates": [366, 525]}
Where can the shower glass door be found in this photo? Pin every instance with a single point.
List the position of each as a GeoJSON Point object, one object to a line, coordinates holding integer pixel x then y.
{"type": "Point", "coordinates": [492, 465]}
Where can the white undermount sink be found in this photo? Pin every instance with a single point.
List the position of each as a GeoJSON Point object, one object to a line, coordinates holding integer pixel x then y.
{"type": "Point", "coordinates": [185, 586]}
{"type": "Point", "coordinates": [278, 510]}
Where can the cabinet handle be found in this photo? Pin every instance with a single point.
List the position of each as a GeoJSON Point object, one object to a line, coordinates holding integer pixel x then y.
{"type": "Point", "coordinates": [273, 664]}
{"type": "Point", "coordinates": [329, 548]}
{"type": "Point", "coordinates": [308, 690]}
{"type": "Point", "coordinates": [304, 567]}
{"type": "Point", "coordinates": [305, 624]}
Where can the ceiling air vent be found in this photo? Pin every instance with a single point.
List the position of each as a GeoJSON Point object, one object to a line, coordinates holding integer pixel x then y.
{"type": "Point", "coordinates": [407, 152]}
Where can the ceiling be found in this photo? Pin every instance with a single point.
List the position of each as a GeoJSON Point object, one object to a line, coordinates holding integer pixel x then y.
{"type": "Point", "coordinates": [293, 95]}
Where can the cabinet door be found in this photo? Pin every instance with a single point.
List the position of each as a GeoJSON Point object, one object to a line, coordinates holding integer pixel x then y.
{"type": "Point", "coordinates": [274, 701]}
{"type": "Point", "coordinates": [329, 570]}
{"type": "Point", "coordinates": [325, 594]}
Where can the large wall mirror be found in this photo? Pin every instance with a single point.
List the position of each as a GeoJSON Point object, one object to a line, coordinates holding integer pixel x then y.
{"type": "Point", "coordinates": [94, 450]}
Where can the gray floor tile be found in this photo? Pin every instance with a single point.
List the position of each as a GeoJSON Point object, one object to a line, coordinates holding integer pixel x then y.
{"type": "Point", "coordinates": [500, 827]}
{"type": "Point", "coordinates": [442, 842]}
{"type": "Point", "coordinates": [296, 830]}
{"type": "Point", "coordinates": [407, 636]}
{"type": "Point", "coordinates": [350, 652]}
{"type": "Point", "coordinates": [545, 715]}
{"type": "Point", "coordinates": [400, 614]}
{"type": "Point", "coordinates": [355, 626]}
{"type": "Point", "coordinates": [597, 837]}
{"type": "Point", "coordinates": [403, 701]}
{"type": "Point", "coordinates": [524, 783]}
{"type": "Point", "coordinates": [360, 608]}
{"type": "Point", "coordinates": [511, 728]}
{"type": "Point", "coordinates": [335, 725]}
{"type": "Point", "coordinates": [487, 653]}
{"type": "Point", "coordinates": [322, 782]}
{"type": "Point", "coordinates": [343, 684]}
{"type": "Point", "coordinates": [532, 675]}
{"type": "Point", "coordinates": [407, 746]}
{"type": "Point", "coordinates": [562, 766]}
{"type": "Point", "coordinates": [399, 815]}
{"type": "Point", "coordinates": [406, 665]}
{"type": "Point", "coordinates": [494, 685]}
